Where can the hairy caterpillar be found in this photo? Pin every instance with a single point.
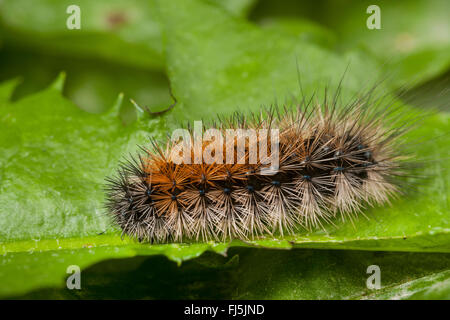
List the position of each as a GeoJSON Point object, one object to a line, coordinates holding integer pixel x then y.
{"type": "Point", "coordinates": [333, 160]}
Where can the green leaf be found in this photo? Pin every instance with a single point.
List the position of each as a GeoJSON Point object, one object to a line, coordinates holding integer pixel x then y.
{"type": "Point", "coordinates": [24, 271]}
{"type": "Point", "coordinates": [93, 56]}
{"type": "Point", "coordinates": [316, 274]}
{"type": "Point", "coordinates": [435, 286]}
{"type": "Point", "coordinates": [92, 85]}
{"type": "Point", "coordinates": [6, 90]}
{"type": "Point", "coordinates": [108, 29]}
{"type": "Point", "coordinates": [413, 34]}
{"type": "Point", "coordinates": [247, 273]}
{"type": "Point", "coordinates": [242, 66]}
{"type": "Point", "coordinates": [412, 44]}
{"type": "Point", "coordinates": [306, 30]}
{"type": "Point", "coordinates": [55, 156]}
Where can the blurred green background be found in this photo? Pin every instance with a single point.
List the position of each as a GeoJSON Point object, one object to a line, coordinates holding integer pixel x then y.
{"type": "Point", "coordinates": [119, 47]}
{"type": "Point", "coordinates": [124, 47]}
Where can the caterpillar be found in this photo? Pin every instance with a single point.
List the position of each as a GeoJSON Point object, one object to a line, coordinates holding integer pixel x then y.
{"type": "Point", "coordinates": [333, 160]}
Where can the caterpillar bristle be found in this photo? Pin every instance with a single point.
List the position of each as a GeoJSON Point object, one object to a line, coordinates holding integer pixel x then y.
{"type": "Point", "coordinates": [332, 162]}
